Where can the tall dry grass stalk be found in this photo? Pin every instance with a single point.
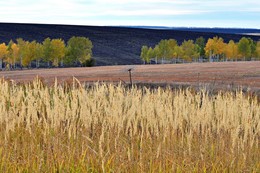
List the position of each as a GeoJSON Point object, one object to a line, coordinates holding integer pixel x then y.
{"type": "Point", "coordinates": [112, 128]}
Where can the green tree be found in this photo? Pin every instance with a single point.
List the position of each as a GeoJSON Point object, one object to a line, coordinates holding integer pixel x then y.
{"type": "Point", "coordinates": [150, 54]}
{"type": "Point", "coordinates": [190, 50]}
{"type": "Point", "coordinates": [22, 49]}
{"type": "Point", "coordinates": [39, 54]}
{"type": "Point", "coordinates": [79, 49]}
{"type": "Point", "coordinates": [252, 44]}
{"type": "Point", "coordinates": [89, 63]}
{"type": "Point", "coordinates": [164, 50]}
{"type": "Point", "coordinates": [47, 51]}
{"type": "Point", "coordinates": [201, 46]}
{"type": "Point", "coordinates": [244, 48]}
{"type": "Point", "coordinates": [156, 53]}
{"type": "Point", "coordinates": [258, 50]}
{"type": "Point", "coordinates": [144, 54]}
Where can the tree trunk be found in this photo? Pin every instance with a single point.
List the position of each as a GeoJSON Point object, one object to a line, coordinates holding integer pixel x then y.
{"type": "Point", "coordinates": [1, 64]}
{"type": "Point", "coordinates": [21, 63]}
{"type": "Point", "coordinates": [210, 56]}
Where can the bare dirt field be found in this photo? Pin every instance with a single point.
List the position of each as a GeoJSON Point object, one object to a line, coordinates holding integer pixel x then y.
{"type": "Point", "coordinates": [223, 74]}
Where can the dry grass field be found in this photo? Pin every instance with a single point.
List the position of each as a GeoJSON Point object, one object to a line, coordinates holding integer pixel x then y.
{"type": "Point", "coordinates": [107, 127]}
{"type": "Point", "coordinates": [223, 74]}
{"type": "Point", "coordinates": [111, 128]}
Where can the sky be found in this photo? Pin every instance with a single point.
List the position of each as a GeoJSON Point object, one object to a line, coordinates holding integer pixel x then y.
{"type": "Point", "coordinates": [172, 13]}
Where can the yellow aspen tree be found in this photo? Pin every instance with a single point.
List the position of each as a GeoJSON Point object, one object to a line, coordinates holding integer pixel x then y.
{"type": "Point", "coordinates": [39, 54]}
{"type": "Point", "coordinates": [15, 54]}
{"type": "Point", "coordinates": [231, 50]}
{"type": "Point", "coordinates": [177, 53]}
{"type": "Point", "coordinates": [165, 51]}
{"type": "Point", "coordinates": [29, 54]}
{"type": "Point", "coordinates": [215, 47]}
{"type": "Point", "coordinates": [172, 43]}
{"type": "Point", "coordinates": [3, 54]}
{"type": "Point", "coordinates": [144, 52]}
{"type": "Point", "coordinates": [9, 58]}
{"type": "Point", "coordinates": [58, 51]}
{"type": "Point", "coordinates": [209, 48]}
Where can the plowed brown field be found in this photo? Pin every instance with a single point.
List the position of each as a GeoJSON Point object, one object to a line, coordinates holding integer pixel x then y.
{"type": "Point", "coordinates": [246, 74]}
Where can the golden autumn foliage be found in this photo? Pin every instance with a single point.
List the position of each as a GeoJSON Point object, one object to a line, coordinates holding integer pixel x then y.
{"type": "Point", "coordinates": [52, 52]}
{"type": "Point", "coordinates": [215, 46]}
{"type": "Point", "coordinates": [231, 50]}
{"type": "Point", "coordinates": [15, 55]}
{"type": "Point", "coordinates": [215, 49]}
{"type": "Point", "coordinates": [3, 54]}
{"type": "Point", "coordinates": [30, 53]}
{"type": "Point", "coordinates": [3, 51]}
{"type": "Point", "coordinates": [58, 51]}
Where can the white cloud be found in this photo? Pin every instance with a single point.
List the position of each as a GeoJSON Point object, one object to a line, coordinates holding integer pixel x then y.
{"type": "Point", "coordinates": [146, 1]}
{"type": "Point", "coordinates": [156, 12]}
{"type": "Point", "coordinates": [121, 12]}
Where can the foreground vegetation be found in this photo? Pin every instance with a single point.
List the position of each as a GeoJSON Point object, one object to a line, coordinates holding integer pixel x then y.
{"type": "Point", "coordinates": [113, 128]}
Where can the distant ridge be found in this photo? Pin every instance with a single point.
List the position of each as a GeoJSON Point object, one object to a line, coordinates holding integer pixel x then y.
{"type": "Point", "coordinates": [252, 31]}
{"type": "Point", "coordinates": [112, 45]}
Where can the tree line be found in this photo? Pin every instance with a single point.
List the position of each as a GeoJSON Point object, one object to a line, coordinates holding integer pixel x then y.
{"type": "Point", "coordinates": [215, 49]}
{"type": "Point", "coordinates": [49, 53]}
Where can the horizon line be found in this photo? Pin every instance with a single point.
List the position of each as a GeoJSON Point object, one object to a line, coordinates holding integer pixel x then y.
{"type": "Point", "coordinates": [130, 26]}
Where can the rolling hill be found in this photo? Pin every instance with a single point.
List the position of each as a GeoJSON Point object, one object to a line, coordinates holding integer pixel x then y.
{"type": "Point", "coordinates": [112, 45]}
{"type": "Point", "coordinates": [247, 31]}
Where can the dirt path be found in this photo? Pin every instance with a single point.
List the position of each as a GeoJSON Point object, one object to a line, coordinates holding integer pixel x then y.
{"type": "Point", "coordinates": [246, 74]}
